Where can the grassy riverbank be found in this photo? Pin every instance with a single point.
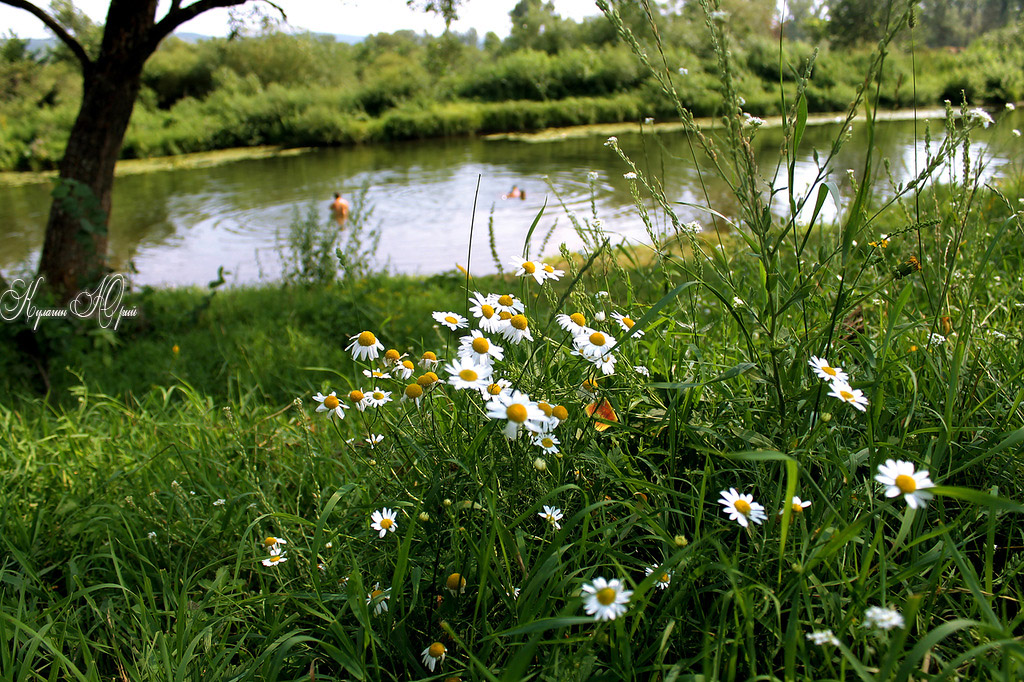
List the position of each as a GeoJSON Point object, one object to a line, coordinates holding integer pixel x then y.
{"type": "Point", "coordinates": [772, 448]}
{"type": "Point", "coordinates": [298, 91]}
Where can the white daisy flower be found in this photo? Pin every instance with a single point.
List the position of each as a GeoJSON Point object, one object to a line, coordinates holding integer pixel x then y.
{"type": "Point", "coordinates": [272, 543]}
{"type": "Point", "coordinates": [379, 599]}
{"type": "Point", "coordinates": [359, 399]}
{"type": "Point", "coordinates": [433, 655]}
{"type": "Point", "coordinates": [797, 505]}
{"type": "Point", "coordinates": [518, 410]}
{"type": "Point", "coordinates": [455, 584]}
{"type": "Point", "coordinates": [515, 592]}
{"type": "Point", "coordinates": [276, 557]}
{"type": "Point", "coordinates": [495, 388]}
{"type": "Point", "coordinates": [881, 618]}
{"type": "Point", "coordinates": [900, 478]}
{"type": "Point", "coordinates": [377, 397]}
{"type": "Point", "coordinates": [330, 404]}
{"type": "Point", "coordinates": [375, 374]}
{"type": "Point", "coordinates": [664, 577]}
{"type": "Point", "coordinates": [479, 348]}
{"type": "Point", "coordinates": [451, 320]}
{"type": "Point", "coordinates": [404, 369]}
{"type": "Point", "coordinates": [413, 392]}
{"type": "Point", "coordinates": [606, 363]}
{"type": "Point", "coordinates": [741, 508]}
{"type": "Point", "coordinates": [391, 356]}
{"type": "Point", "coordinates": [546, 442]}
{"type": "Point", "coordinates": [374, 439]}
{"type": "Point", "coordinates": [384, 520]}
{"type": "Point", "coordinates": [518, 329]}
{"type": "Point", "coordinates": [551, 273]}
{"type": "Point", "coordinates": [822, 637]}
{"type": "Point", "coordinates": [605, 599]}
{"type": "Point", "coordinates": [528, 268]}
{"type": "Point", "coordinates": [575, 324]}
{"type": "Point", "coordinates": [853, 396]}
{"type": "Point", "coordinates": [364, 346]}
{"type": "Point", "coordinates": [593, 344]}
{"type": "Point", "coordinates": [626, 323]}
{"type": "Point", "coordinates": [467, 374]}
{"type": "Point", "coordinates": [507, 303]}
{"type": "Point", "coordinates": [552, 515]}
{"type": "Point", "coordinates": [826, 371]}
{"type": "Point", "coordinates": [428, 360]}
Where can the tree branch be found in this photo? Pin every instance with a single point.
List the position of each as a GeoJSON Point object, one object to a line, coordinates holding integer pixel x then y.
{"type": "Point", "coordinates": [58, 30]}
{"type": "Point", "coordinates": [178, 15]}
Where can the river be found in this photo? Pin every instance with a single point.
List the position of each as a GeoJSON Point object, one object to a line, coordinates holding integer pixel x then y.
{"type": "Point", "coordinates": [179, 226]}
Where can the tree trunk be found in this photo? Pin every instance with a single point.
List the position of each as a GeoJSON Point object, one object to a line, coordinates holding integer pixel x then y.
{"type": "Point", "coordinates": [75, 249]}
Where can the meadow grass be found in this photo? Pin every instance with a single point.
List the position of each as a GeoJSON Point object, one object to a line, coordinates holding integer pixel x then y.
{"type": "Point", "coordinates": [192, 505]}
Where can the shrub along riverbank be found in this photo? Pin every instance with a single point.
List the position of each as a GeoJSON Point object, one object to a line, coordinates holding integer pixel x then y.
{"type": "Point", "coordinates": [302, 90]}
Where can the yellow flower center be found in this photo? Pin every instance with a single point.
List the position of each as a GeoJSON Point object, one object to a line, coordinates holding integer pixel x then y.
{"type": "Point", "coordinates": [386, 523]}
{"type": "Point", "coordinates": [606, 596]}
{"type": "Point", "coordinates": [847, 396]}
{"type": "Point", "coordinates": [450, 320]}
{"type": "Point", "coordinates": [481, 345]}
{"type": "Point", "coordinates": [547, 442]}
{"type": "Point", "coordinates": [487, 311]}
{"type": "Point", "coordinates": [742, 506]}
{"type": "Point", "coordinates": [597, 338]}
{"type": "Point", "coordinates": [494, 389]}
{"type": "Point", "coordinates": [455, 581]}
{"type": "Point", "coordinates": [516, 413]}
{"type": "Point", "coordinates": [413, 391]}
{"type": "Point", "coordinates": [367, 339]}
{"type": "Point", "coordinates": [505, 300]}
{"type": "Point", "coordinates": [529, 267]}
{"type": "Point", "coordinates": [628, 321]}
{"type": "Point", "coordinates": [798, 508]}
{"type": "Point", "coordinates": [519, 322]}
{"type": "Point", "coordinates": [267, 542]}
{"type": "Point", "coordinates": [548, 268]}
{"type": "Point", "coordinates": [560, 413]}
{"type": "Point", "coordinates": [376, 593]}
{"type": "Point", "coordinates": [274, 559]}
{"type": "Point", "coordinates": [468, 375]}
{"type": "Point", "coordinates": [425, 380]}
{"type": "Point", "coordinates": [331, 402]}
{"type": "Point", "coordinates": [436, 650]}
{"type": "Point", "coordinates": [429, 355]}
{"type": "Point", "coordinates": [545, 408]}
{"type": "Point", "coordinates": [663, 578]}
{"type": "Point", "coordinates": [578, 319]}
{"type": "Point", "coordinates": [392, 355]}
{"type": "Point", "coordinates": [356, 396]}
{"type": "Point", "coordinates": [408, 364]}
{"type": "Point", "coordinates": [906, 484]}
{"type": "Point", "coordinates": [828, 370]}
{"type": "Point", "coordinates": [378, 395]}
{"type": "Point", "coordinates": [504, 315]}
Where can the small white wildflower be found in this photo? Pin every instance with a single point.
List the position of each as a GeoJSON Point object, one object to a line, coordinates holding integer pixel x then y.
{"type": "Point", "coordinates": [641, 370]}
{"type": "Point", "coordinates": [935, 339]}
{"type": "Point", "coordinates": [220, 502]}
{"type": "Point", "coordinates": [151, 535]}
{"type": "Point", "coordinates": [882, 618]}
{"type": "Point", "coordinates": [683, 71]}
{"type": "Point", "coordinates": [592, 175]}
{"type": "Point", "coordinates": [630, 175]}
{"type": "Point", "coordinates": [648, 121]}
{"type": "Point", "coordinates": [822, 637]}
{"type": "Point", "coordinates": [611, 141]}
{"type": "Point", "coordinates": [981, 116]}
{"type": "Point", "coordinates": [1010, 106]}
{"type": "Point", "coordinates": [1016, 133]}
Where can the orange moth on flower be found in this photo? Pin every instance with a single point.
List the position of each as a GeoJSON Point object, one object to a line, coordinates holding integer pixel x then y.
{"type": "Point", "coordinates": [602, 413]}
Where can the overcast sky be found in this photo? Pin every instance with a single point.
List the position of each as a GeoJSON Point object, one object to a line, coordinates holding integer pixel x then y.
{"type": "Point", "coordinates": [351, 17]}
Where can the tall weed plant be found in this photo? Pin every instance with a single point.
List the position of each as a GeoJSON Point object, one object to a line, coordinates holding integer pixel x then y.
{"type": "Point", "coordinates": [772, 445]}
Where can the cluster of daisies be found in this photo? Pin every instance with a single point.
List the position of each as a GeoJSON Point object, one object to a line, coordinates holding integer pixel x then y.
{"type": "Point", "coordinates": [839, 383]}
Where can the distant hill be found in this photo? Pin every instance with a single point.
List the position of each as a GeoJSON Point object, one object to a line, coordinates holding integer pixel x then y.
{"type": "Point", "coordinates": [42, 45]}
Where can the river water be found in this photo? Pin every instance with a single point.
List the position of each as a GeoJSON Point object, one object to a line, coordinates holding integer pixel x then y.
{"type": "Point", "coordinates": [177, 227]}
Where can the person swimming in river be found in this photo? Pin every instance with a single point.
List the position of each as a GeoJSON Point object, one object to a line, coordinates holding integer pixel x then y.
{"type": "Point", "coordinates": [340, 209]}
{"type": "Point", "coordinates": [515, 193]}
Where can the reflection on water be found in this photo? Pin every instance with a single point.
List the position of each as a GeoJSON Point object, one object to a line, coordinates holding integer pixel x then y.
{"type": "Point", "coordinates": [179, 226]}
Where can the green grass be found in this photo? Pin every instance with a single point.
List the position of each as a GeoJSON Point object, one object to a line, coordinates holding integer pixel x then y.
{"type": "Point", "coordinates": [137, 494]}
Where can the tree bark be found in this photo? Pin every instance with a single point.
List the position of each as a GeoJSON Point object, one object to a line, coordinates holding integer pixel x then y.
{"type": "Point", "coordinates": [75, 250]}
